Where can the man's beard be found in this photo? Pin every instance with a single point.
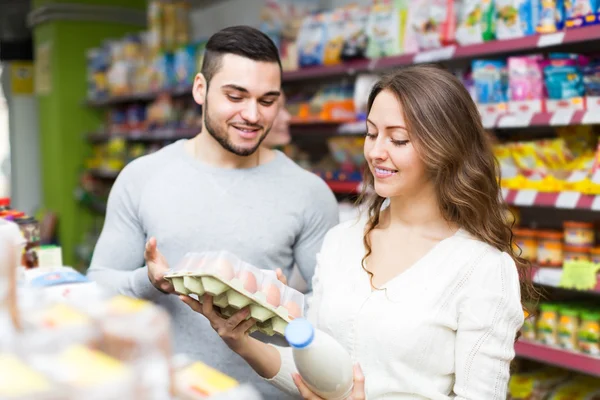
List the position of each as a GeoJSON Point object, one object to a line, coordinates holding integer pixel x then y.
{"type": "Point", "coordinates": [223, 139]}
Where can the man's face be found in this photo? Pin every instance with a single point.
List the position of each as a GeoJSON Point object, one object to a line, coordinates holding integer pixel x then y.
{"type": "Point", "coordinates": [240, 104]}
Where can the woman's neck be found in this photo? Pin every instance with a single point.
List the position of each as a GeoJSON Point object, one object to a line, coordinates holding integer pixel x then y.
{"type": "Point", "coordinates": [419, 214]}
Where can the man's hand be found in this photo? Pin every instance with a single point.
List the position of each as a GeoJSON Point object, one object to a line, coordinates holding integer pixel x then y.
{"type": "Point", "coordinates": [157, 267]}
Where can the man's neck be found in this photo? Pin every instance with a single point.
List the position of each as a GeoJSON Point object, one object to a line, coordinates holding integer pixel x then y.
{"type": "Point", "coordinates": [206, 149]}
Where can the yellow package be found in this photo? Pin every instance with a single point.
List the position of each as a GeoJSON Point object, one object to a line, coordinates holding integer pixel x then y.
{"type": "Point", "coordinates": [18, 380]}
{"type": "Point", "coordinates": [199, 381]}
{"type": "Point", "coordinates": [336, 29]}
{"type": "Point", "coordinates": [83, 367]}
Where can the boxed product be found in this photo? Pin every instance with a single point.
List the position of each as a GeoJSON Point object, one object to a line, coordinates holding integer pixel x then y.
{"type": "Point", "coordinates": [526, 84]}
{"type": "Point", "coordinates": [476, 22]}
{"type": "Point", "coordinates": [312, 39]}
{"type": "Point", "coordinates": [234, 285]}
{"type": "Point", "coordinates": [516, 18]}
{"type": "Point", "coordinates": [384, 31]}
{"type": "Point", "coordinates": [434, 23]}
{"type": "Point", "coordinates": [580, 13]}
{"type": "Point", "coordinates": [355, 35]}
{"type": "Point", "coordinates": [552, 16]}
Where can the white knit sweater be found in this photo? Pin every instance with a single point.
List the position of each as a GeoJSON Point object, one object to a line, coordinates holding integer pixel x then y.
{"type": "Point", "coordinates": [443, 329]}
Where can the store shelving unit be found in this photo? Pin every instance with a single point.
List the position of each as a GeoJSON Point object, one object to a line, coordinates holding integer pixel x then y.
{"type": "Point", "coordinates": [504, 121]}
{"type": "Point", "coordinates": [497, 47]}
{"type": "Point", "coordinates": [154, 135]}
{"type": "Point", "coordinates": [558, 357]}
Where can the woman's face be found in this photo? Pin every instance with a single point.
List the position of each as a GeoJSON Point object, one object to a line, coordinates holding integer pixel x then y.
{"type": "Point", "coordinates": [280, 132]}
{"type": "Point", "coordinates": [392, 159]}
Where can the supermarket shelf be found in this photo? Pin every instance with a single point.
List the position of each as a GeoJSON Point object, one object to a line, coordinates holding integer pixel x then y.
{"type": "Point", "coordinates": [524, 120]}
{"type": "Point", "coordinates": [490, 121]}
{"type": "Point", "coordinates": [558, 357]}
{"type": "Point", "coordinates": [155, 135]}
{"type": "Point", "coordinates": [496, 47]}
{"type": "Point", "coordinates": [139, 97]}
{"type": "Point", "coordinates": [348, 187]}
{"type": "Point", "coordinates": [563, 200]}
{"type": "Point", "coordinates": [551, 277]}
{"type": "Point", "coordinates": [103, 174]}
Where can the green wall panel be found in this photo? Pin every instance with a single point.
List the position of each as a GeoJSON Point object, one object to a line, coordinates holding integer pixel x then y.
{"type": "Point", "coordinates": [64, 119]}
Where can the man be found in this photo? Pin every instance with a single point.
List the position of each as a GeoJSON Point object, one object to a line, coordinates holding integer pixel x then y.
{"type": "Point", "coordinates": [221, 190]}
{"type": "Point", "coordinates": [280, 133]}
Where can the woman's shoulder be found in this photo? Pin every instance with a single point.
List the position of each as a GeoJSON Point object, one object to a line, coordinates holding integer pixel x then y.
{"type": "Point", "coordinates": [483, 258]}
{"type": "Point", "coordinates": [348, 229]}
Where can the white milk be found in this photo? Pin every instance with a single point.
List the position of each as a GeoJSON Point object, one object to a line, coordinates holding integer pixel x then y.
{"type": "Point", "coordinates": [322, 362]}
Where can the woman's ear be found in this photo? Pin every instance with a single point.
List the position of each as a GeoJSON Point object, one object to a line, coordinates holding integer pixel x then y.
{"type": "Point", "coordinates": [199, 89]}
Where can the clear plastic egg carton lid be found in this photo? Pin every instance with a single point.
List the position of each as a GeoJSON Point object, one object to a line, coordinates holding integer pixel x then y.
{"type": "Point", "coordinates": [234, 284]}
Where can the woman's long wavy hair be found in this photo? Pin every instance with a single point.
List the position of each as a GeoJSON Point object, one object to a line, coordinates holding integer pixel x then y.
{"type": "Point", "coordinates": [445, 127]}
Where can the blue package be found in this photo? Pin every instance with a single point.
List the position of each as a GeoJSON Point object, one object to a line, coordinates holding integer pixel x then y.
{"type": "Point", "coordinates": [312, 39]}
{"type": "Point", "coordinates": [184, 65]}
{"type": "Point", "coordinates": [58, 278]}
{"type": "Point", "coordinates": [552, 16]}
{"type": "Point", "coordinates": [563, 79]}
{"type": "Point", "coordinates": [591, 78]}
{"type": "Point", "coordinates": [580, 12]}
{"type": "Point", "coordinates": [516, 18]}
{"type": "Point", "coordinates": [490, 78]}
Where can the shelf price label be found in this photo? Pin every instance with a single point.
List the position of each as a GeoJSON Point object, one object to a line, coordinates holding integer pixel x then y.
{"type": "Point", "coordinates": [567, 200]}
{"type": "Point", "coordinates": [525, 197]}
{"type": "Point", "coordinates": [443, 53]}
{"type": "Point", "coordinates": [551, 39]}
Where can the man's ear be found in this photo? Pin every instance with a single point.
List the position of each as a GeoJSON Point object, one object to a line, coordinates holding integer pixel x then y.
{"type": "Point", "coordinates": [199, 89]}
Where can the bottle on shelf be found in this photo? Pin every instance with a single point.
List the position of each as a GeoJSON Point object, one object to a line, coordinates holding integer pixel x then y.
{"type": "Point", "coordinates": [324, 365]}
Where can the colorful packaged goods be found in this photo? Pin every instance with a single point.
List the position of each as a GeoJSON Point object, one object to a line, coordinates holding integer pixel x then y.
{"type": "Point", "coordinates": [476, 22]}
{"type": "Point", "coordinates": [589, 333]}
{"type": "Point", "coordinates": [568, 327]}
{"type": "Point", "coordinates": [434, 23]}
{"type": "Point", "coordinates": [550, 248]}
{"type": "Point", "coordinates": [579, 233]}
{"type": "Point", "coordinates": [516, 18]}
{"type": "Point", "coordinates": [525, 241]}
{"type": "Point", "coordinates": [384, 30]}
{"type": "Point", "coordinates": [491, 81]}
{"type": "Point", "coordinates": [336, 33]}
{"type": "Point", "coordinates": [312, 39]}
{"type": "Point", "coordinates": [547, 324]}
{"type": "Point", "coordinates": [356, 38]}
{"type": "Point", "coordinates": [580, 13]}
{"type": "Point", "coordinates": [552, 16]}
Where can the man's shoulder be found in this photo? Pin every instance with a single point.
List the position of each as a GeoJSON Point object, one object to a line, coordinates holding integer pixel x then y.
{"type": "Point", "coordinates": [295, 175]}
{"type": "Point", "coordinates": [149, 164]}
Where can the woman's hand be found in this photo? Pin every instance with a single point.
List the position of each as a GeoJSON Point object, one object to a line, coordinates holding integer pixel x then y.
{"type": "Point", "coordinates": [358, 392]}
{"type": "Point", "coordinates": [233, 330]}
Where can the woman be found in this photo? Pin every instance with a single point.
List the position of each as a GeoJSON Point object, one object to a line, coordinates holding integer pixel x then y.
{"type": "Point", "coordinates": [424, 292]}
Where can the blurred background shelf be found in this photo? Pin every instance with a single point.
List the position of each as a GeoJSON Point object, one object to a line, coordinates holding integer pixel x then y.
{"type": "Point", "coordinates": [558, 357]}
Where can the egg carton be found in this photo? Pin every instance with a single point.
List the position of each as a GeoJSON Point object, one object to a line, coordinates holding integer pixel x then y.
{"type": "Point", "coordinates": [234, 284]}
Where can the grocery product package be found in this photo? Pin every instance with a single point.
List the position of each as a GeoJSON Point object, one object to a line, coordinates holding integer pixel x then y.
{"type": "Point", "coordinates": [336, 33]}
{"type": "Point", "coordinates": [580, 13]}
{"type": "Point", "coordinates": [355, 35]}
{"type": "Point", "coordinates": [516, 18]}
{"type": "Point", "coordinates": [552, 16]}
{"type": "Point", "coordinates": [384, 31]}
{"type": "Point", "coordinates": [476, 22]}
{"type": "Point", "coordinates": [234, 285]}
{"type": "Point", "coordinates": [434, 23]}
{"type": "Point", "coordinates": [491, 81]}
{"type": "Point", "coordinates": [535, 385]}
{"type": "Point", "coordinates": [312, 39]}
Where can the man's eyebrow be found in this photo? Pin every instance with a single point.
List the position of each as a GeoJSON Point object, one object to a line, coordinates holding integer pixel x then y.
{"type": "Point", "coordinates": [244, 90]}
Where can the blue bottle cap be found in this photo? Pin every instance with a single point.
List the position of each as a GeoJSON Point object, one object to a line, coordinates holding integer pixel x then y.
{"type": "Point", "coordinates": [299, 333]}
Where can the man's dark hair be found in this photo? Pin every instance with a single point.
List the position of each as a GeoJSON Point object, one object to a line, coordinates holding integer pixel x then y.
{"type": "Point", "coordinates": [240, 40]}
